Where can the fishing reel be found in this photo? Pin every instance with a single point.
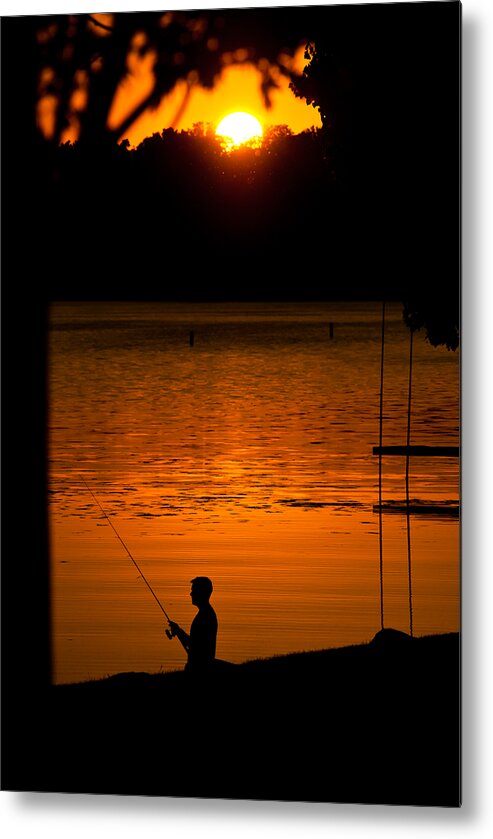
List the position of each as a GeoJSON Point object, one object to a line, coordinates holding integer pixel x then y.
{"type": "Point", "coordinates": [169, 634]}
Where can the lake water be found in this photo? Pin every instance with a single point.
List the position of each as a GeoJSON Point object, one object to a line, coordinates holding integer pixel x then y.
{"type": "Point", "coordinates": [246, 457]}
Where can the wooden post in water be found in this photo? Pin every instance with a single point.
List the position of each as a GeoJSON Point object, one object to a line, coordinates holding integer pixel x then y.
{"type": "Point", "coordinates": [331, 330]}
{"type": "Point", "coordinates": [192, 337]}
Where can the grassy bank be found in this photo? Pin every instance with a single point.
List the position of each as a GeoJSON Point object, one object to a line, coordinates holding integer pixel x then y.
{"type": "Point", "coordinates": [373, 723]}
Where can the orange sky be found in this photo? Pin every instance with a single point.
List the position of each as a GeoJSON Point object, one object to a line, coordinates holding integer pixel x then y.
{"type": "Point", "coordinates": [238, 89]}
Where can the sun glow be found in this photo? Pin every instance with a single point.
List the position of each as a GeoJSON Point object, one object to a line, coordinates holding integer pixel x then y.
{"type": "Point", "coordinates": [238, 128]}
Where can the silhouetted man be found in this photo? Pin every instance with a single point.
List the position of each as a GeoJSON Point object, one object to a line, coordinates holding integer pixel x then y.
{"type": "Point", "coordinates": [201, 643]}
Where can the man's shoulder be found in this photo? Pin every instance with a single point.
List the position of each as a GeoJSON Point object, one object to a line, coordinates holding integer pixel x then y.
{"type": "Point", "coordinates": [209, 614]}
{"type": "Point", "coordinates": [206, 613]}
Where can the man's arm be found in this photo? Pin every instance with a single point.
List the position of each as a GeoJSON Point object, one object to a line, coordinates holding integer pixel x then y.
{"type": "Point", "coordinates": [183, 637]}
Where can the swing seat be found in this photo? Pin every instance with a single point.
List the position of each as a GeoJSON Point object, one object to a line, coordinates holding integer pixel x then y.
{"type": "Point", "coordinates": [418, 451]}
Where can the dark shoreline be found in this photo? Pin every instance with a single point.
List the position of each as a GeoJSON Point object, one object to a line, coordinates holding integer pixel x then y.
{"type": "Point", "coordinates": [377, 723]}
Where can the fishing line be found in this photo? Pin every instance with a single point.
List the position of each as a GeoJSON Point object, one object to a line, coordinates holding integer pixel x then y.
{"type": "Point", "coordinates": [105, 514]}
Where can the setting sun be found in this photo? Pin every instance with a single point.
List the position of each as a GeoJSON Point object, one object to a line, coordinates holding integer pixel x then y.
{"type": "Point", "coordinates": [238, 128]}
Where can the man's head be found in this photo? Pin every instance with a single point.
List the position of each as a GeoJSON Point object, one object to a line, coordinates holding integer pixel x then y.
{"type": "Point", "coordinates": [201, 590]}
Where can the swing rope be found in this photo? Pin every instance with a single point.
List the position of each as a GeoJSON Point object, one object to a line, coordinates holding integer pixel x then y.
{"type": "Point", "coordinates": [380, 521]}
{"type": "Point", "coordinates": [408, 516]}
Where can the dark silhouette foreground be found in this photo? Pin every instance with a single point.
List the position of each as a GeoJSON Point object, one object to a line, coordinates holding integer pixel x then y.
{"type": "Point", "coordinates": [377, 723]}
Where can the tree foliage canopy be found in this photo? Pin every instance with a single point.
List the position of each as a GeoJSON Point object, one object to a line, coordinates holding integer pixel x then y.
{"type": "Point", "coordinates": [79, 60]}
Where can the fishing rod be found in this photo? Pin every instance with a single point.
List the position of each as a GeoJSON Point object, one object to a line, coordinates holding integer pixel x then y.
{"type": "Point", "coordinates": [105, 514]}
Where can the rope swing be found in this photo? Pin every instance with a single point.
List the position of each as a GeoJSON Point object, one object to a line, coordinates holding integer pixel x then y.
{"type": "Point", "coordinates": [408, 516]}
{"type": "Point", "coordinates": [380, 521]}
{"type": "Point", "coordinates": [380, 454]}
